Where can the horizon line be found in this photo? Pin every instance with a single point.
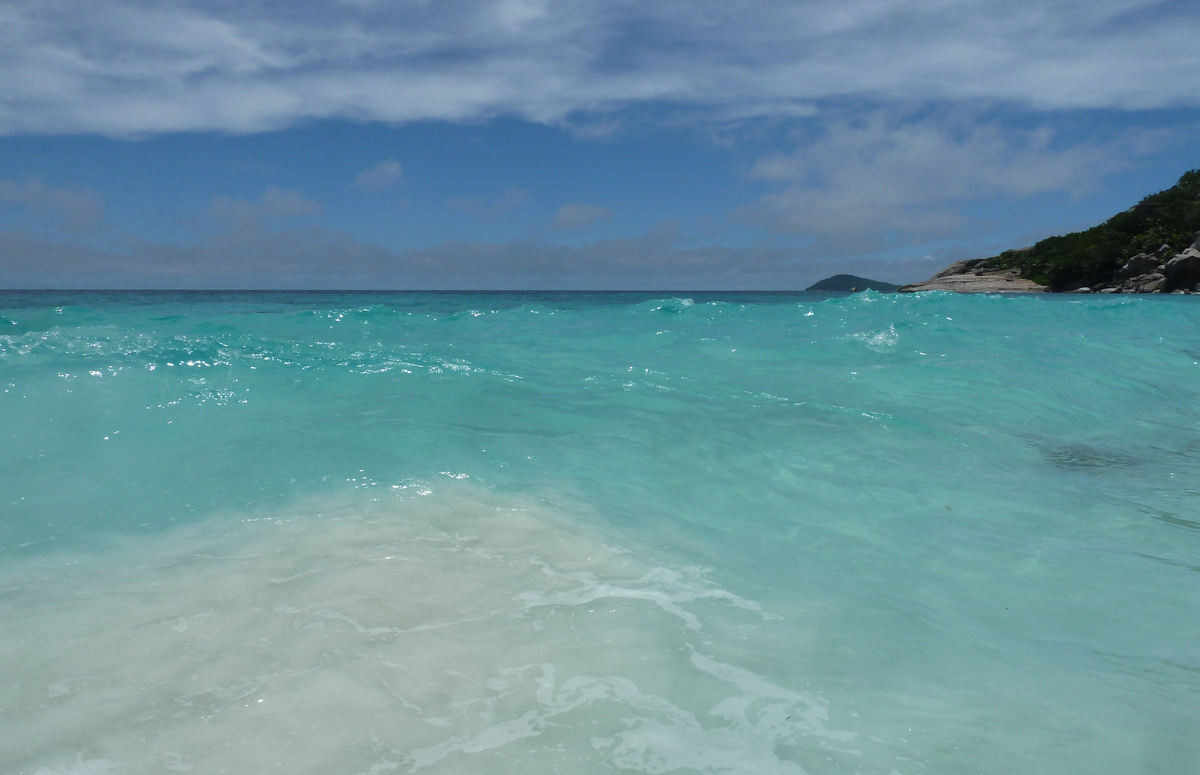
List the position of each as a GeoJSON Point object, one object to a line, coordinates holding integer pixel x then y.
{"type": "Point", "coordinates": [411, 290]}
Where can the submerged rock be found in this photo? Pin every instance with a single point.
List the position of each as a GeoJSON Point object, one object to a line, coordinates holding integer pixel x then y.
{"type": "Point", "coordinates": [1085, 457]}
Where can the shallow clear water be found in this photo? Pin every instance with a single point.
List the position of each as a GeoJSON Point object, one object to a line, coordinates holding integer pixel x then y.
{"type": "Point", "coordinates": [527, 533]}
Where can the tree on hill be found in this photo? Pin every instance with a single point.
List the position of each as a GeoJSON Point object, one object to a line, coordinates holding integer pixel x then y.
{"type": "Point", "coordinates": [1170, 217]}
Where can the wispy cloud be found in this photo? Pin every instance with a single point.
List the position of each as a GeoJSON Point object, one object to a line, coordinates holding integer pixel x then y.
{"type": "Point", "coordinates": [385, 173]}
{"type": "Point", "coordinates": [316, 257]}
{"type": "Point", "coordinates": [492, 208]}
{"type": "Point", "coordinates": [122, 67]}
{"type": "Point", "coordinates": [860, 185]}
{"type": "Point", "coordinates": [72, 208]}
{"type": "Point", "coordinates": [287, 204]}
{"type": "Point", "coordinates": [576, 216]}
{"type": "Point", "coordinates": [274, 203]}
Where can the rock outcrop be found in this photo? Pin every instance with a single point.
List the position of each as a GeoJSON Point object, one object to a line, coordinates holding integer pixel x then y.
{"type": "Point", "coordinates": [1146, 273]}
{"type": "Point", "coordinates": [1121, 251]}
{"type": "Point", "coordinates": [1141, 273]}
{"type": "Point", "coordinates": [1142, 263]}
{"type": "Point", "coordinates": [1153, 247]}
{"type": "Point", "coordinates": [974, 276]}
{"type": "Point", "coordinates": [1183, 271]}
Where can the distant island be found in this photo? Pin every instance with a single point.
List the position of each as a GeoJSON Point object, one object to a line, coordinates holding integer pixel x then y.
{"type": "Point", "coordinates": [1153, 247]}
{"type": "Point", "coordinates": [851, 283]}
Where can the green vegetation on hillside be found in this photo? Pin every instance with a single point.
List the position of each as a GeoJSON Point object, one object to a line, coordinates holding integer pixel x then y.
{"type": "Point", "coordinates": [1170, 218]}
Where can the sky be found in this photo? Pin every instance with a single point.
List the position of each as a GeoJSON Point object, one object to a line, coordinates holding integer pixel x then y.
{"type": "Point", "coordinates": [574, 144]}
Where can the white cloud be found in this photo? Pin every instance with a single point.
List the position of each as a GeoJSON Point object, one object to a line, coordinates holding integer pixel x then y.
{"type": "Point", "coordinates": [576, 216]}
{"type": "Point", "coordinates": [492, 208]}
{"type": "Point", "coordinates": [274, 203]}
{"type": "Point", "coordinates": [240, 249]}
{"type": "Point", "coordinates": [382, 175]}
{"type": "Point", "coordinates": [75, 209]}
{"type": "Point", "coordinates": [130, 67]}
{"type": "Point", "coordinates": [287, 204]}
{"type": "Point", "coordinates": [863, 185]}
{"type": "Point", "coordinates": [321, 258]}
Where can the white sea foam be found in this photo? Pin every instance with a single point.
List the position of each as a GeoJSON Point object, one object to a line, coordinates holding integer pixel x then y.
{"type": "Point", "coordinates": [453, 632]}
{"type": "Point", "coordinates": [81, 767]}
{"type": "Point", "coordinates": [879, 341]}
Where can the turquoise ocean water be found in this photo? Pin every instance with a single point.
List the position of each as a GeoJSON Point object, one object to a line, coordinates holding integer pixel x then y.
{"type": "Point", "coordinates": [584, 533]}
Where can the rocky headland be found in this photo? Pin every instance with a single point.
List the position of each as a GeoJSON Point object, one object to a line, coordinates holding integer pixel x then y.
{"type": "Point", "coordinates": [961, 276]}
{"type": "Point", "coordinates": [1153, 247]}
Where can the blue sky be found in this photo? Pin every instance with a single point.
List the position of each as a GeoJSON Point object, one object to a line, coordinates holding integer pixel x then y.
{"type": "Point", "coordinates": [578, 144]}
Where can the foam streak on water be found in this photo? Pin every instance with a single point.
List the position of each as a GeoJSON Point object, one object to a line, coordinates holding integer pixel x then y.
{"type": "Point", "coordinates": [354, 533]}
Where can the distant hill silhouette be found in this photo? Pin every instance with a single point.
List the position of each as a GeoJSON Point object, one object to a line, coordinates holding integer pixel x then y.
{"type": "Point", "coordinates": [849, 282]}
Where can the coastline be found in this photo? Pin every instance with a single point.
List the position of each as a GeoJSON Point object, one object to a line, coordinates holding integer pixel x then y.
{"type": "Point", "coordinates": [1153, 247]}
{"type": "Point", "coordinates": [960, 277]}
{"type": "Point", "coordinates": [1157, 272]}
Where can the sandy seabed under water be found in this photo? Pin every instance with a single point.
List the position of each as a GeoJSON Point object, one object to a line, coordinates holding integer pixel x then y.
{"type": "Point", "coordinates": [444, 632]}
